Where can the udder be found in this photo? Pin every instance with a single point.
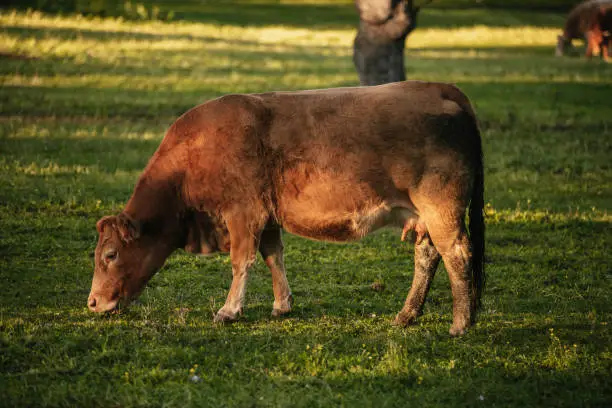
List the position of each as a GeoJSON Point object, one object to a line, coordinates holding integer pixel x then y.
{"type": "Point", "coordinates": [416, 225]}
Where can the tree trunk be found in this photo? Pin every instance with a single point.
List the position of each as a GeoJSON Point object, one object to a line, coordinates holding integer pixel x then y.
{"type": "Point", "coordinates": [378, 49]}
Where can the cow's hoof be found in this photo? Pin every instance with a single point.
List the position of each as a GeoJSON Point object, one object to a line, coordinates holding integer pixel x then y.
{"type": "Point", "coordinates": [283, 308]}
{"type": "Point", "coordinates": [406, 318]}
{"type": "Point", "coordinates": [457, 330]}
{"type": "Point", "coordinates": [224, 316]}
{"type": "Point", "coordinates": [280, 312]}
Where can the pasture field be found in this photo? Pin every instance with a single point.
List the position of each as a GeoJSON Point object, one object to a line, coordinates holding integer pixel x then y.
{"type": "Point", "coordinates": [84, 103]}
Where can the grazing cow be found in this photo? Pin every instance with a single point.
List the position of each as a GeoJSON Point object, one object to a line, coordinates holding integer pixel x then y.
{"type": "Point", "coordinates": [590, 21]}
{"type": "Point", "coordinates": [332, 165]}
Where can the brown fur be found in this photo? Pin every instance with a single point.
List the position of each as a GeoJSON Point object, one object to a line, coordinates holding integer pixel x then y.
{"type": "Point", "coordinates": [330, 164]}
{"type": "Point", "coordinates": [590, 21]}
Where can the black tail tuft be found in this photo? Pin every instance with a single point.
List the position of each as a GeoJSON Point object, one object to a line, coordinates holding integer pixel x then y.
{"type": "Point", "coordinates": [477, 231]}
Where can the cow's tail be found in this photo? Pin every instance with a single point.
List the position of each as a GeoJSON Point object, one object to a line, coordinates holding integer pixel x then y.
{"type": "Point", "coordinates": [477, 226]}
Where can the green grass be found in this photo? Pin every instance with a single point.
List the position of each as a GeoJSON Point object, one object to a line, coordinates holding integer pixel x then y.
{"type": "Point", "coordinates": [85, 102]}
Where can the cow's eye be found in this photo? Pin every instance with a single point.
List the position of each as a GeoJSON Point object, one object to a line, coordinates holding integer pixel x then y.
{"type": "Point", "coordinates": [110, 255]}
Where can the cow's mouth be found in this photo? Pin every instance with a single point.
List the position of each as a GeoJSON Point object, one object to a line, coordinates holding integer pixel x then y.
{"type": "Point", "coordinates": [105, 308]}
{"type": "Point", "coordinates": [100, 304]}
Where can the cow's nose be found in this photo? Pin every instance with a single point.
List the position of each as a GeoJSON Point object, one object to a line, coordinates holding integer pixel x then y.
{"type": "Point", "coordinates": [92, 303]}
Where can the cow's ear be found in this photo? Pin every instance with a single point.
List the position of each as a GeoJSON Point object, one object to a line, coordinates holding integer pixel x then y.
{"type": "Point", "coordinates": [104, 221]}
{"type": "Point", "coordinates": [128, 228]}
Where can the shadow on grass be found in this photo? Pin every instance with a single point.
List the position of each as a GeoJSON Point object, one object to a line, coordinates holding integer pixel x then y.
{"type": "Point", "coordinates": [105, 36]}
{"type": "Point", "coordinates": [106, 103]}
{"type": "Point", "coordinates": [318, 360]}
{"type": "Point", "coordinates": [108, 154]}
{"type": "Point", "coordinates": [500, 98]}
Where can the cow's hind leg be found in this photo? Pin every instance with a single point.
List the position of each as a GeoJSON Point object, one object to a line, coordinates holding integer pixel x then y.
{"type": "Point", "coordinates": [244, 236]}
{"type": "Point", "coordinates": [426, 260]}
{"type": "Point", "coordinates": [452, 241]}
{"type": "Point", "coordinates": [605, 47]}
{"type": "Point", "coordinates": [271, 249]}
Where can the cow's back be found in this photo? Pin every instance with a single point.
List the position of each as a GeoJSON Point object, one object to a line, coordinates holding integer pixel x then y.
{"type": "Point", "coordinates": [341, 154]}
{"type": "Point", "coordinates": [377, 119]}
{"type": "Point", "coordinates": [582, 17]}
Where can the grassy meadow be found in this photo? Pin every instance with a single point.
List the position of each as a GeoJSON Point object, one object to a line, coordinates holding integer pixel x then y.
{"type": "Point", "coordinates": [84, 102]}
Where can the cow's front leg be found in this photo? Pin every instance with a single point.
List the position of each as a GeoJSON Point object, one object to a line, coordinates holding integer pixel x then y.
{"type": "Point", "coordinates": [271, 249]}
{"type": "Point", "coordinates": [244, 240]}
{"type": "Point", "coordinates": [593, 39]}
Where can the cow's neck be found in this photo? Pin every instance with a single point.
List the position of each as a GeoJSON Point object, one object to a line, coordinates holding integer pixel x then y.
{"type": "Point", "coordinates": [155, 199]}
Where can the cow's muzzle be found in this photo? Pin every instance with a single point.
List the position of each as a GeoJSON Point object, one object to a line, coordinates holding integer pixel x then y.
{"type": "Point", "coordinates": [98, 304]}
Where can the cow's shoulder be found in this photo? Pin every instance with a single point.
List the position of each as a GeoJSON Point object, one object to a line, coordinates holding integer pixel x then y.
{"type": "Point", "coordinates": [236, 107]}
{"type": "Point", "coordinates": [233, 112]}
{"type": "Point", "coordinates": [226, 107]}
{"type": "Point", "coordinates": [237, 101]}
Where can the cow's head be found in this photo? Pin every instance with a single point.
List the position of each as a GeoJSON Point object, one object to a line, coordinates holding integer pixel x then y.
{"type": "Point", "coordinates": [127, 255]}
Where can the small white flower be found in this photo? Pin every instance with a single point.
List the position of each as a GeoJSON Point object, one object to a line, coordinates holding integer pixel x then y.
{"type": "Point", "coordinates": [194, 378]}
{"type": "Point", "coordinates": [481, 397]}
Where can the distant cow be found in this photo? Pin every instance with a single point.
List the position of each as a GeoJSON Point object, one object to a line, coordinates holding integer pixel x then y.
{"type": "Point", "coordinates": [590, 21]}
{"type": "Point", "coordinates": [332, 165]}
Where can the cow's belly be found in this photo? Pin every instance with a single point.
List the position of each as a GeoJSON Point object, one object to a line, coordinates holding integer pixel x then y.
{"type": "Point", "coordinates": [349, 226]}
{"type": "Point", "coordinates": [332, 207]}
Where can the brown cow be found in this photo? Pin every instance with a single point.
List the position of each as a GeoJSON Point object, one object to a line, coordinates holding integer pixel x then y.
{"type": "Point", "coordinates": [590, 21]}
{"type": "Point", "coordinates": [332, 164]}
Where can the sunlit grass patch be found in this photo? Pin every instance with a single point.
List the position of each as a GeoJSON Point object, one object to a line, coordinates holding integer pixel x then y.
{"type": "Point", "coordinates": [519, 215]}
{"type": "Point", "coordinates": [48, 169]}
{"type": "Point", "coordinates": [483, 36]}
